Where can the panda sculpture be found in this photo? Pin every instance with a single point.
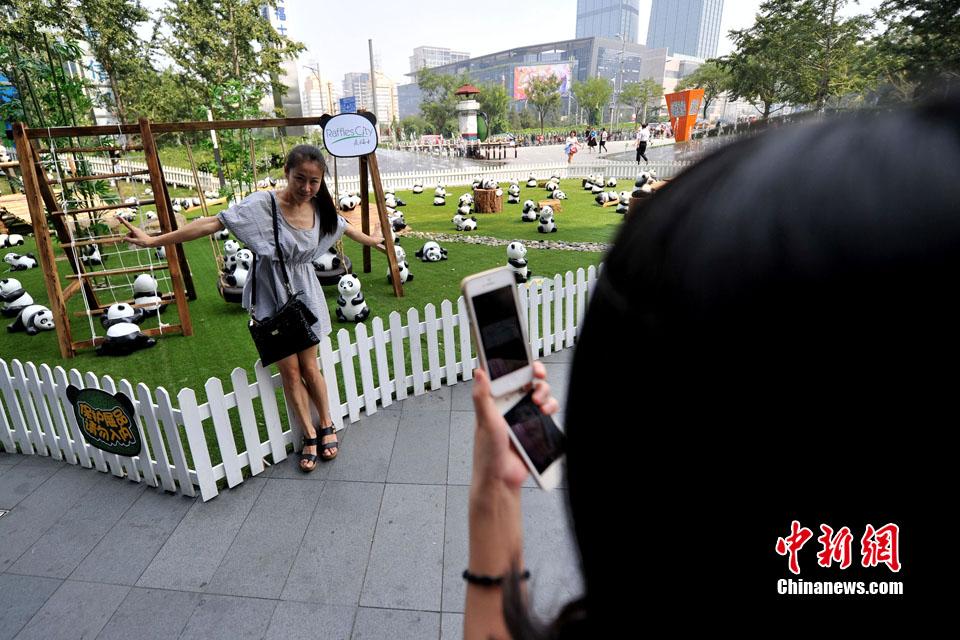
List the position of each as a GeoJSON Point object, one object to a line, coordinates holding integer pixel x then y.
{"type": "Point", "coordinates": [328, 261]}
{"type": "Point", "coordinates": [477, 182]}
{"type": "Point", "coordinates": [611, 183]}
{"type": "Point", "coordinates": [588, 182]}
{"type": "Point", "coordinates": [559, 195]}
{"type": "Point", "coordinates": [516, 260]}
{"type": "Point", "coordinates": [351, 307]}
{"type": "Point", "coordinates": [397, 222]}
{"type": "Point", "coordinates": [551, 186]}
{"type": "Point", "coordinates": [90, 255]}
{"type": "Point", "coordinates": [530, 213]}
{"type": "Point", "coordinates": [439, 201]}
{"type": "Point", "coordinates": [14, 297]}
{"type": "Point", "coordinates": [124, 338]}
{"type": "Point", "coordinates": [223, 234]}
{"type": "Point", "coordinates": [597, 190]}
{"type": "Point", "coordinates": [126, 214]}
{"type": "Point", "coordinates": [145, 294]}
{"type": "Point", "coordinates": [153, 216]}
{"type": "Point", "coordinates": [33, 319]}
{"type": "Point", "coordinates": [463, 223]}
{"type": "Point", "coordinates": [431, 252]}
{"type": "Point", "coordinates": [417, 187]}
{"type": "Point", "coordinates": [513, 194]}
{"type": "Point", "coordinates": [12, 240]}
{"type": "Point", "coordinates": [531, 181]}
{"type": "Point", "coordinates": [642, 191]}
{"type": "Point", "coordinates": [18, 262]}
{"type": "Point", "coordinates": [624, 203]}
{"type": "Point", "coordinates": [402, 266]}
{"type": "Point", "coordinates": [547, 225]}
{"type": "Point", "coordinates": [465, 199]}
{"type": "Point", "coordinates": [241, 270]}
{"type": "Point", "coordinates": [121, 312]}
{"type": "Point", "coordinates": [161, 253]}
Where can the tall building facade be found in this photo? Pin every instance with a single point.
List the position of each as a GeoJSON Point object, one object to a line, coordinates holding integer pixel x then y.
{"type": "Point", "coordinates": [434, 57]}
{"type": "Point", "coordinates": [687, 27]}
{"type": "Point", "coordinates": [289, 99]}
{"type": "Point", "coordinates": [608, 19]}
{"type": "Point", "coordinates": [320, 96]}
{"type": "Point", "coordinates": [358, 85]}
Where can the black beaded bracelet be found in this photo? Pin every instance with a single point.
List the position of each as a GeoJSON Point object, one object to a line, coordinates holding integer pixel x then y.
{"type": "Point", "coordinates": [489, 581]}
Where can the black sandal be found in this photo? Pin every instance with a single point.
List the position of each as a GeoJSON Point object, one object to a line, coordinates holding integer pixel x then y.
{"type": "Point", "coordinates": [309, 457]}
{"type": "Point", "coordinates": [324, 432]}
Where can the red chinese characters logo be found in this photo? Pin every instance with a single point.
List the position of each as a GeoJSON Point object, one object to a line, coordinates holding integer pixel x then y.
{"type": "Point", "coordinates": [877, 546]}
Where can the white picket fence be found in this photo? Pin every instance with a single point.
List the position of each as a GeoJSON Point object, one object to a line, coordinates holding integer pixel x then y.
{"type": "Point", "coordinates": [465, 175]}
{"type": "Point", "coordinates": [37, 419]}
{"type": "Point", "coordinates": [174, 175]}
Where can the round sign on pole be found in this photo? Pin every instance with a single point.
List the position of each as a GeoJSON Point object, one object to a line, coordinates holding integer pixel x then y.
{"type": "Point", "coordinates": [350, 135]}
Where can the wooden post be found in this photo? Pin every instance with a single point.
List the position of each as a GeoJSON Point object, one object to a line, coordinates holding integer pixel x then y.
{"type": "Point", "coordinates": [253, 163]}
{"type": "Point", "coordinates": [163, 214]}
{"type": "Point", "coordinates": [196, 181]}
{"type": "Point", "coordinates": [384, 223]}
{"type": "Point", "coordinates": [365, 210]}
{"type": "Point", "coordinates": [44, 247]}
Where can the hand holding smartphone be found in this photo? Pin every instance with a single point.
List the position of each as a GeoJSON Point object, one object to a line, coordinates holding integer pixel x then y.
{"type": "Point", "coordinates": [503, 350]}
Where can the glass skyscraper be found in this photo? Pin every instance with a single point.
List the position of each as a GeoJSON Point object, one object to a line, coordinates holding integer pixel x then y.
{"type": "Point", "coordinates": [608, 18]}
{"type": "Point", "coordinates": [687, 27]}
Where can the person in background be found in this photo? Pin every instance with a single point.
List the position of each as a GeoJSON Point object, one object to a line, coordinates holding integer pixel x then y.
{"type": "Point", "coordinates": [603, 140]}
{"type": "Point", "coordinates": [643, 138]}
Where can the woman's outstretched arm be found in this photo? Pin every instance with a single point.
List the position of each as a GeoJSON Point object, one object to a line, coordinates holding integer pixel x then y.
{"type": "Point", "coordinates": [199, 227]}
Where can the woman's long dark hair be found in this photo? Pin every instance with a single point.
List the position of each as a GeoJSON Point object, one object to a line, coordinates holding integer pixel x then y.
{"type": "Point", "coordinates": [782, 314]}
{"type": "Point", "coordinates": [323, 201]}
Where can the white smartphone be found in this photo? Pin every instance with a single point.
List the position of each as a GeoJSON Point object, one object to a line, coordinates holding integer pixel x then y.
{"type": "Point", "coordinates": [504, 353]}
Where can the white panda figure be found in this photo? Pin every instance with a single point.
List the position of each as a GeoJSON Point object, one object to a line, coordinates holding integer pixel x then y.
{"type": "Point", "coordinates": [127, 214]}
{"type": "Point", "coordinates": [18, 262]}
{"type": "Point", "coordinates": [477, 182]}
{"type": "Point", "coordinates": [12, 240]}
{"type": "Point", "coordinates": [390, 200]}
{"type": "Point", "coordinates": [402, 266]}
{"type": "Point", "coordinates": [148, 191]}
{"type": "Point", "coordinates": [175, 207]}
{"type": "Point", "coordinates": [441, 190]}
{"type": "Point", "coordinates": [644, 177]}
{"type": "Point", "coordinates": [597, 190]}
{"type": "Point", "coordinates": [145, 294]}
{"type": "Point", "coordinates": [195, 201]}
{"type": "Point", "coordinates": [513, 182]}
{"type": "Point", "coordinates": [489, 183]}
{"type": "Point", "coordinates": [161, 253]}
{"type": "Point", "coordinates": [346, 203]}
{"type": "Point", "coordinates": [33, 319]}
{"type": "Point", "coordinates": [530, 213]}
{"type": "Point", "coordinates": [397, 222]}
{"type": "Point", "coordinates": [516, 259]}
{"type": "Point", "coordinates": [153, 216]}
{"type": "Point", "coordinates": [547, 225]}
{"type": "Point", "coordinates": [121, 312]}
{"type": "Point", "coordinates": [241, 270]}
{"type": "Point", "coordinates": [14, 297]}
{"type": "Point", "coordinates": [230, 247]}
{"type": "Point", "coordinates": [498, 192]}
{"type": "Point", "coordinates": [559, 195]}
{"type": "Point", "coordinates": [624, 202]}
{"type": "Point", "coordinates": [588, 182]}
{"type": "Point", "coordinates": [513, 194]}
{"type": "Point", "coordinates": [465, 199]}
{"type": "Point", "coordinates": [611, 183]}
{"type": "Point", "coordinates": [328, 261]}
{"type": "Point", "coordinates": [209, 195]}
{"type": "Point", "coordinates": [431, 252]}
{"type": "Point", "coordinates": [463, 223]}
{"type": "Point", "coordinates": [439, 201]}
{"type": "Point", "coordinates": [123, 339]}
{"type": "Point", "coordinates": [351, 307]}
{"type": "Point", "coordinates": [418, 187]}
{"type": "Point", "coordinates": [552, 186]}
{"type": "Point", "coordinates": [131, 200]}
{"type": "Point", "coordinates": [612, 196]}
{"type": "Point", "coordinates": [531, 181]}
{"type": "Point", "coordinates": [90, 254]}
{"type": "Point", "coordinates": [223, 234]}
{"type": "Point", "coordinates": [642, 191]}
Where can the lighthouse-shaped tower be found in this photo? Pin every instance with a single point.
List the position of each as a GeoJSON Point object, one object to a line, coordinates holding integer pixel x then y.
{"type": "Point", "coordinates": [467, 108]}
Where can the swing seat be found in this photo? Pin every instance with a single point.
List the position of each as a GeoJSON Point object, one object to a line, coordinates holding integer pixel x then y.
{"type": "Point", "coordinates": [229, 293]}
{"type": "Point", "coordinates": [331, 277]}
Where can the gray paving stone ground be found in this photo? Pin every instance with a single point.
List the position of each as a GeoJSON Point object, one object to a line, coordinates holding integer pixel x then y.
{"type": "Point", "coordinates": [369, 546]}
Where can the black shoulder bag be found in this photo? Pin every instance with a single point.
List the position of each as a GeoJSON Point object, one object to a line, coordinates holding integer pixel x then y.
{"type": "Point", "coordinates": [289, 330]}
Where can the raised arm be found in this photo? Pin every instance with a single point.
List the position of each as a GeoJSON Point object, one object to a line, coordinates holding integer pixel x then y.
{"type": "Point", "coordinates": [199, 227]}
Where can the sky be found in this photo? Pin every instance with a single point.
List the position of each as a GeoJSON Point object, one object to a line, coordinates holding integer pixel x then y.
{"type": "Point", "coordinates": [336, 34]}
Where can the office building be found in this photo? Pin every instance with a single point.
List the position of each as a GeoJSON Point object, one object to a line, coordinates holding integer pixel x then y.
{"type": "Point", "coordinates": [608, 19]}
{"type": "Point", "coordinates": [686, 27]}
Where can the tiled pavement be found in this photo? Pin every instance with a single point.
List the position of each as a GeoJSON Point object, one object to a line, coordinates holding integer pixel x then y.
{"type": "Point", "coordinates": [370, 545]}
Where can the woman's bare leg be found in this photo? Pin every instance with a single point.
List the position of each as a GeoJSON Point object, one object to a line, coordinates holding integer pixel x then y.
{"type": "Point", "coordinates": [297, 394]}
{"type": "Point", "coordinates": [316, 387]}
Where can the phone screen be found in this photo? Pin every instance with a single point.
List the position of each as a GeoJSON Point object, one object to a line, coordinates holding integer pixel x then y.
{"type": "Point", "coordinates": [538, 433]}
{"type": "Point", "coordinates": [500, 331]}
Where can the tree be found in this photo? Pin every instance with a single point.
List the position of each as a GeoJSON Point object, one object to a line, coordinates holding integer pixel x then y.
{"type": "Point", "coordinates": [415, 125]}
{"type": "Point", "coordinates": [544, 94]}
{"type": "Point", "coordinates": [641, 94]}
{"type": "Point", "coordinates": [110, 28]}
{"type": "Point", "coordinates": [495, 102]}
{"type": "Point", "coordinates": [439, 105]}
{"type": "Point", "coordinates": [593, 95]}
{"type": "Point", "coordinates": [712, 77]}
{"type": "Point", "coordinates": [921, 43]}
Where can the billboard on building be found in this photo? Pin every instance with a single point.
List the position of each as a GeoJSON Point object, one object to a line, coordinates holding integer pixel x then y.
{"type": "Point", "coordinates": [523, 75]}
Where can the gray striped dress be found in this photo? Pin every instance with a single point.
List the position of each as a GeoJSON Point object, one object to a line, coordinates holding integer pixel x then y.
{"type": "Point", "coordinates": [251, 222]}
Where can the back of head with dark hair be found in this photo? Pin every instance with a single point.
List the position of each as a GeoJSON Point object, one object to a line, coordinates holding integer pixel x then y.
{"type": "Point", "coordinates": [323, 201]}
{"type": "Point", "coordinates": [784, 325]}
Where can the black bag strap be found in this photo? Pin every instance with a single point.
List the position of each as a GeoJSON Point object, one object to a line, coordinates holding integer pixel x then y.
{"type": "Point", "coordinates": [276, 243]}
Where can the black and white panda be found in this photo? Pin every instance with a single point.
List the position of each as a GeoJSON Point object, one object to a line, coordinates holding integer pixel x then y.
{"type": "Point", "coordinates": [161, 253]}
{"type": "Point", "coordinates": [417, 187]}
{"type": "Point", "coordinates": [559, 195]}
{"type": "Point", "coordinates": [588, 182]}
{"type": "Point", "coordinates": [90, 254]}
{"type": "Point", "coordinates": [597, 190]}
{"type": "Point", "coordinates": [644, 177]}
{"type": "Point", "coordinates": [153, 216]}
{"type": "Point", "coordinates": [230, 247]}
{"type": "Point", "coordinates": [464, 223]}
{"type": "Point", "coordinates": [531, 181]}
{"type": "Point", "coordinates": [33, 319]}
{"type": "Point", "coordinates": [551, 186]}
{"type": "Point", "coordinates": [466, 199]}
{"type": "Point", "coordinates": [223, 234]}
{"type": "Point", "coordinates": [195, 201]}
{"type": "Point", "coordinates": [397, 222]}
{"type": "Point", "coordinates": [477, 182]}
{"type": "Point", "coordinates": [14, 297]}
{"type": "Point", "coordinates": [547, 225]}
{"type": "Point", "coordinates": [121, 312]}
{"type": "Point", "coordinates": [349, 202]}
{"type": "Point", "coordinates": [18, 262]}
{"type": "Point", "coordinates": [439, 201]}
{"type": "Point", "coordinates": [489, 183]}
{"type": "Point", "coordinates": [441, 190]}
{"type": "Point", "coordinates": [351, 307]}
{"type": "Point", "coordinates": [498, 192]}
{"type": "Point", "coordinates": [624, 202]}
{"type": "Point", "coordinates": [642, 191]}
{"type": "Point", "coordinates": [611, 183]}
{"type": "Point", "coordinates": [146, 296]}
{"type": "Point", "coordinates": [402, 266]}
{"type": "Point", "coordinates": [12, 240]}
{"type": "Point", "coordinates": [123, 339]}
{"type": "Point", "coordinates": [431, 252]}
{"type": "Point", "coordinates": [126, 214]}
{"type": "Point", "coordinates": [328, 261]}
{"type": "Point", "coordinates": [132, 200]}
{"type": "Point", "coordinates": [530, 213]}
{"type": "Point", "coordinates": [516, 259]}
{"type": "Point", "coordinates": [513, 194]}
{"type": "Point", "coordinates": [241, 270]}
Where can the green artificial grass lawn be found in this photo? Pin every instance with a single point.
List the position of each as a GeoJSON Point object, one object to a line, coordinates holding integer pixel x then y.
{"type": "Point", "coordinates": [221, 340]}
